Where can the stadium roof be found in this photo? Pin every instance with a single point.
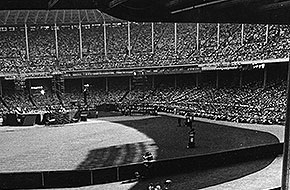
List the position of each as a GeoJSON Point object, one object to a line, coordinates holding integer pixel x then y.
{"type": "Point", "coordinates": [50, 17]}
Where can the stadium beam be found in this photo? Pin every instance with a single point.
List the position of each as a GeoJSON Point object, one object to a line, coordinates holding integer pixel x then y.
{"type": "Point", "coordinates": [46, 17]}
{"type": "Point", "coordinates": [129, 38]}
{"type": "Point", "coordinates": [95, 16]}
{"type": "Point", "coordinates": [52, 3]}
{"type": "Point", "coordinates": [175, 38]}
{"type": "Point", "coordinates": [218, 34]}
{"type": "Point", "coordinates": [197, 36]}
{"type": "Point", "coordinates": [105, 38]}
{"type": "Point", "coordinates": [6, 18]}
{"type": "Point", "coordinates": [80, 40]}
{"type": "Point", "coordinates": [56, 40]}
{"type": "Point", "coordinates": [26, 41]}
{"type": "Point", "coordinates": [16, 18]}
{"type": "Point", "coordinates": [87, 16]}
{"type": "Point", "coordinates": [242, 34]}
{"type": "Point", "coordinates": [286, 159]}
{"type": "Point", "coordinates": [152, 37]}
{"type": "Point", "coordinates": [267, 33]}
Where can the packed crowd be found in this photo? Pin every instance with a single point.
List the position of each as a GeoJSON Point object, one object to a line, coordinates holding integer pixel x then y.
{"type": "Point", "coordinates": [250, 104]}
{"type": "Point", "coordinates": [226, 44]}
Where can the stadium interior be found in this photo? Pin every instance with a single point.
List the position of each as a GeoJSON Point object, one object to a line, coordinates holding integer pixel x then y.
{"type": "Point", "coordinates": [53, 41]}
{"type": "Point", "coordinates": [85, 61]}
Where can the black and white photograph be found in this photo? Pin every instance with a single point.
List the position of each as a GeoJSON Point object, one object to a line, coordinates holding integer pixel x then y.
{"type": "Point", "coordinates": [145, 94]}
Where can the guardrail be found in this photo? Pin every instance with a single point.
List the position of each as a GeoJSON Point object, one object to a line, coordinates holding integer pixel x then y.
{"type": "Point", "coordinates": [77, 178]}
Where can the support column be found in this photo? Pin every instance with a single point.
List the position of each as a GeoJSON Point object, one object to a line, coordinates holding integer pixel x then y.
{"type": "Point", "coordinates": [267, 33]}
{"type": "Point", "coordinates": [197, 36]}
{"type": "Point", "coordinates": [175, 38]}
{"type": "Point", "coordinates": [56, 40]}
{"type": "Point", "coordinates": [218, 34]}
{"type": "Point", "coordinates": [107, 84]}
{"type": "Point", "coordinates": [153, 82]}
{"type": "Point", "coordinates": [197, 80]}
{"type": "Point", "coordinates": [81, 40]}
{"type": "Point", "coordinates": [26, 41]}
{"type": "Point", "coordinates": [265, 77]}
{"type": "Point", "coordinates": [152, 37]}
{"type": "Point", "coordinates": [286, 158]}
{"type": "Point", "coordinates": [105, 39]}
{"type": "Point", "coordinates": [242, 34]}
{"type": "Point", "coordinates": [129, 39]}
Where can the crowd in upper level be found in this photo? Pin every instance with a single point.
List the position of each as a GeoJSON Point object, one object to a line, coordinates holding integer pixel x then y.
{"type": "Point", "coordinates": [190, 44]}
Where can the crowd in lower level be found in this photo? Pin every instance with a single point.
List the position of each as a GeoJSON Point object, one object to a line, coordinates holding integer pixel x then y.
{"type": "Point", "coordinates": [249, 104]}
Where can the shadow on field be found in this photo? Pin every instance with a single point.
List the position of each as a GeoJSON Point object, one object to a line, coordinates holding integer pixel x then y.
{"type": "Point", "coordinates": [172, 141]}
{"type": "Point", "coordinates": [210, 138]}
{"type": "Point", "coordinates": [115, 155]}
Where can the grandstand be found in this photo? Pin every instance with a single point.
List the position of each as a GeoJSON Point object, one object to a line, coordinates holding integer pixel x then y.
{"type": "Point", "coordinates": [87, 45]}
{"type": "Point", "coordinates": [226, 72]}
{"type": "Point", "coordinates": [43, 40]}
